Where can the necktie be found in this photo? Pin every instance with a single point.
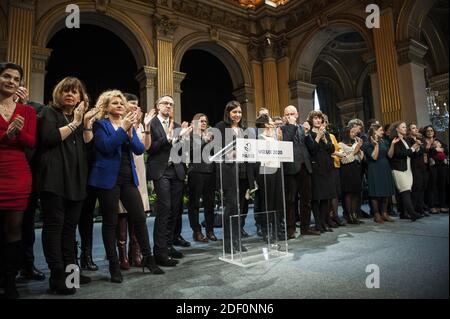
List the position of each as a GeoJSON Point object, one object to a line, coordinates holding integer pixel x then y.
{"type": "Point", "coordinates": [166, 126]}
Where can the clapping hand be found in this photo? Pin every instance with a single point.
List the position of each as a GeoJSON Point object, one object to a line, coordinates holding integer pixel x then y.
{"type": "Point", "coordinates": [306, 127]}
{"type": "Point", "coordinates": [15, 126]}
{"type": "Point", "coordinates": [78, 113]}
{"type": "Point", "coordinates": [395, 140]}
{"type": "Point", "coordinates": [21, 95]}
{"type": "Point", "coordinates": [186, 129]}
{"type": "Point", "coordinates": [291, 120]}
{"type": "Point", "coordinates": [148, 118]}
{"type": "Point", "coordinates": [374, 140]}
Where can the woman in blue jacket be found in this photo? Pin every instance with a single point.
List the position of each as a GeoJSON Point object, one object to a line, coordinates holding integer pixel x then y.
{"type": "Point", "coordinates": [114, 175]}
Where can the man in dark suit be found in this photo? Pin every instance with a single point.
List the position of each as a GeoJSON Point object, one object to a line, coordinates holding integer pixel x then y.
{"type": "Point", "coordinates": [168, 174]}
{"type": "Point", "coordinates": [297, 174]}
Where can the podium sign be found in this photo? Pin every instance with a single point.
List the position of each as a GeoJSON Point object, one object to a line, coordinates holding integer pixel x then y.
{"type": "Point", "coordinates": [252, 150]}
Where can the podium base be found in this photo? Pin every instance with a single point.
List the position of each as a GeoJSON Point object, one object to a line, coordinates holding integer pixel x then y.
{"type": "Point", "coordinates": [251, 258]}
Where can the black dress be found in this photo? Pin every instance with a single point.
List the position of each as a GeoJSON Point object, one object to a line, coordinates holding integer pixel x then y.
{"type": "Point", "coordinates": [351, 171]}
{"type": "Point", "coordinates": [322, 167]}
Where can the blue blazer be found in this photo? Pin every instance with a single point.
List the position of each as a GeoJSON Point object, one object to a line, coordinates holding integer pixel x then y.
{"type": "Point", "coordinates": [108, 154]}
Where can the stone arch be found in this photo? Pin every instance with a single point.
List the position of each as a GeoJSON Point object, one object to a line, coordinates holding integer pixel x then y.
{"type": "Point", "coordinates": [411, 18]}
{"type": "Point", "coordinates": [232, 59]}
{"type": "Point", "coordinates": [317, 39]}
{"type": "Point", "coordinates": [318, 79]}
{"type": "Point", "coordinates": [340, 71]}
{"type": "Point", "coordinates": [437, 48]}
{"type": "Point", "coordinates": [360, 83]}
{"type": "Point", "coordinates": [124, 27]}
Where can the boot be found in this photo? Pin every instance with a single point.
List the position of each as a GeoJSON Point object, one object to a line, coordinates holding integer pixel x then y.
{"type": "Point", "coordinates": [149, 263]}
{"type": "Point", "coordinates": [13, 252]}
{"type": "Point", "coordinates": [86, 261]}
{"type": "Point", "coordinates": [57, 283]}
{"type": "Point", "coordinates": [134, 252]}
{"type": "Point", "coordinates": [116, 275]}
{"type": "Point", "coordinates": [378, 219]}
{"type": "Point", "coordinates": [387, 218]}
{"type": "Point", "coordinates": [122, 235]}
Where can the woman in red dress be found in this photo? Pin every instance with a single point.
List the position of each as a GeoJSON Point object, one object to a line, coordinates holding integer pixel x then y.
{"type": "Point", "coordinates": [17, 132]}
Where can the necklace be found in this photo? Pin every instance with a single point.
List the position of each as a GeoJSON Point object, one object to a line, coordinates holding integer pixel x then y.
{"type": "Point", "coordinates": [7, 112]}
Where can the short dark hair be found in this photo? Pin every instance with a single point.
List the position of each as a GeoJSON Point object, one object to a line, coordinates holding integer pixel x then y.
{"type": "Point", "coordinates": [9, 65]}
{"type": "Point", "coordinates": [345, 136]}
{"type": "Point", "coordinates": [313, 114]}
{"type": "Point", "coordinates": [228, 108]}
{"type": "Point", "coordinates": [424, 131]}
{"type": "Point", "coordinates": [130, 97]}
{"type": "Point", "coordinates": [262, 120]}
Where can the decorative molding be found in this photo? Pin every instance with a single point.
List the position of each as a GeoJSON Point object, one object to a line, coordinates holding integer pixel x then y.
{"type": "Point", "coordinates": [411, 51]}
{"type": "Point", "coordinates": [306, 11]}
{"type": "Point", "coordinates": [214, 33]}
{"type": "Point", "coordinates": [301, 90]}
{"type": "Point", "coordinates": [147, 77]}
{"type": "Point", "coordinates": [178, 77]}
{"type": "Point", "coordinates": [439, 83]}
{"type": "Point", "coordinates": [371, 62]}
{"type": "Point", "coordinates": [351, 106]}
{"type": "Point", "coordinates": [101, 6]}
{"type": "Point", "coordinates": [268, 47]}
{"type": "Point", "coordinates": [212, 15]}
{"type": "Point", "coordinates": [164, 27]}
{"type": "Point", "coordinates": [39, 59]}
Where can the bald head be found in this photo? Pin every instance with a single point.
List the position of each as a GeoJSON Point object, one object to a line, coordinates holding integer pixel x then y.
{"type": "Point", "coordinates": [291, 111]}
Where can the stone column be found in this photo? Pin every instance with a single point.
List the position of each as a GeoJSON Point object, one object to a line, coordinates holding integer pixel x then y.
{"type": "Point", "coordinates": [147, 84]}
{"type": "Point", "coordinates": [20, 33]}
{"type": "Point", "coordinates": [302, 96]}
{"type": "Point", "coordinates": [283, 64]}
{"type": "Point", "coordinates": [257, 72]}
{"type": "Point", "coordinates": [412, 82]}
{"type": "Point", "coordinates": [375, 84]}
{"type": "Point", "coordinates": [270, 72]}
{"type": "Point", "coordinates": [178, 77]}
{"type": "Point", "coordinates": [351, 109]}
{"type": "Point", "coordinates": [245, 95]}
{"type": "Point", "coordinates": [386, 60]}
{"type": "Point", "coordinates": [164, 28]}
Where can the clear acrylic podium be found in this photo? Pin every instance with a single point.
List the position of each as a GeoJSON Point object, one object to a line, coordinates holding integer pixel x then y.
{"type": "Point", "coordinates": [241, 251]}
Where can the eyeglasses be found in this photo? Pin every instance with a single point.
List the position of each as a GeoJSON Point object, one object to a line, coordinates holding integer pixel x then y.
{"type": "Point", "coordinates": [166, 103]}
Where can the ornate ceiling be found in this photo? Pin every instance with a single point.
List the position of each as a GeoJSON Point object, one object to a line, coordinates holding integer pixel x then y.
{"type": "Point", "coordinates": [253, 4]}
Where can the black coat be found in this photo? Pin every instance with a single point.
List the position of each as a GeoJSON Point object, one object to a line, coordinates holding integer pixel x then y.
{"type": "Point", "coordinates": [159, 152]}
{"type": "Point", "coordinates": [245, 170]}
{"type": "Point", "coordinates": [198, 144]}
{"type": "Point", "coordinates": [296, 134]}
{"type": "Point", "coordinates": [401, 153]}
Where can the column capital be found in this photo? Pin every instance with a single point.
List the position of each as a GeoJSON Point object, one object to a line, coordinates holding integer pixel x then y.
{"type": "Point", "coordinates": [244, 94]}
{"type": "Point", "coordinates": [147, 77]}
{"type": "Point", "coordinates": [350, 109]}
{"type": "Point", "coordinates": [411, 51]}
{"type": "Point", "coordinates": [39, 58]}
{"type": "Point", "coordinates": [164, 27]}
{"type": "Point", "coordinates": [178, 77]}
{"type": "Point", "coordinates": [268, 46]}
{"type": "Point", "coordinates": [23, 4]}
{"type": "Point", "coordinates": [302, 90]}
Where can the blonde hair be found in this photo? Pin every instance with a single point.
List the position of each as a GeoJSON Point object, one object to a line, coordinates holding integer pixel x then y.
{"type": "Point", "coordinates": [103, 102]}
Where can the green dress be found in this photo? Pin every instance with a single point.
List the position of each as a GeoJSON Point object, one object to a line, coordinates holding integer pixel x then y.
{"type": "Point", "coordinates": [380, 180]}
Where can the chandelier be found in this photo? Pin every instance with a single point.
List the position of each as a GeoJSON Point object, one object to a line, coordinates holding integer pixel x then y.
{"type": "Point", "coordinates": [437, 110]}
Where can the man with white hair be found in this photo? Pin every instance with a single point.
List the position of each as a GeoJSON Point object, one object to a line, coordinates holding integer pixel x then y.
{"type": "Point", "coordinates": [297, 174]}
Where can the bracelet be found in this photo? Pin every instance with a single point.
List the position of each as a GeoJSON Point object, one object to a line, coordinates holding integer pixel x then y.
{"type": "Point", "coordinates": [147, 132]}
{"type": "Point", "coordinates": [70, 127]}
{"type": "Point", "coordinates": [87, 129]}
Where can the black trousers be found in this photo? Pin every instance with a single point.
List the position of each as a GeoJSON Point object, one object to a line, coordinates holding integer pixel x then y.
{"type": "Point", "coordinates": [439, 185]}
{"type": "Point", "coordinates": [420, 180]}
{"type": "Point", "coordinates": [169, 193]}
{"type": "Point", "coordinates": [201, 185]}
{"type": "Point", "coordinates": [28, 234]}
{"type": "Point", "coordinates": [86, 224]}
{"type": "Point", "coordinates": [131, 199]}
{"type": "Point", "coordinates": [243, 202]}
{"type": "Point", "coordinates": [270, 199]}
{"type": "Point", "coordinates": [60, 217]}
{"type": "Point", "coordinates": [298, 184]}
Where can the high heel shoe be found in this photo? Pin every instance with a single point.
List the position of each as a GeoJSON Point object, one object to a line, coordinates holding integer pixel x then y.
{"type": "Point", "coordinates": [149, 263]}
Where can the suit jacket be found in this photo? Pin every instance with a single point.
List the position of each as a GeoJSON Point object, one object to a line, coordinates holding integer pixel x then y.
{"type": "Point", "coordinates": [401, 153]}
{"type": "Point", "coordinates": [296, 134]}
{"type": "Point", "coordinates": [108, 154]}
{"type": "Point", "coordinates": [159, 152]}
{"type": "Point", "coordinates": [320, 154]}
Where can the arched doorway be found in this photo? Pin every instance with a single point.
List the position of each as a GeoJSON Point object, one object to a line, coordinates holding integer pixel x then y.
{"type": "Point", "coordinates": [207, 86]}
{"type": "Point", "coordinates": [96, 56]}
